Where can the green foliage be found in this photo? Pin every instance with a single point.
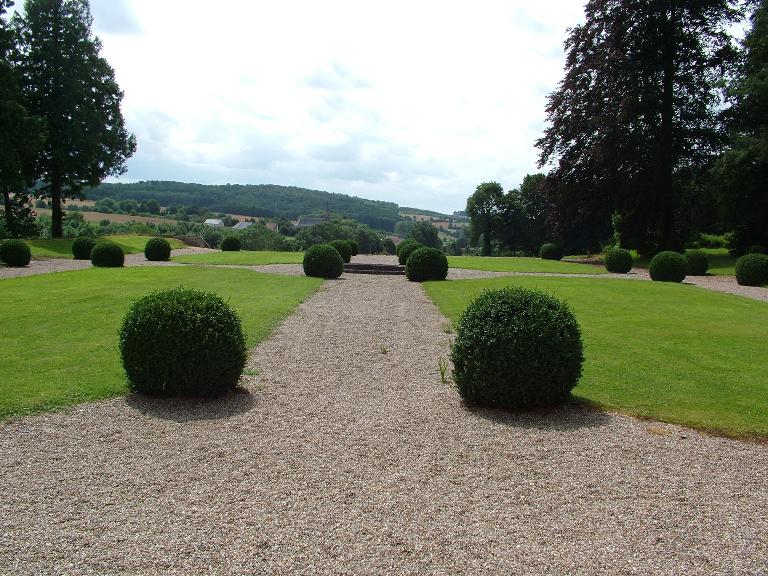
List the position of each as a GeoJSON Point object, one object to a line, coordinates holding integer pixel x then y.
{"type": "Point", "coordinates": [482, 208]}
{"type": "Point", "coordinates": [107, 254]}
{"type": "Point", "coordinates": [757, 249]}
{"type": "Point", "coordinates": [231, 244]}
{"type": "Point", "coordinates": [182, 343]}
{"type": "Point", "coordinates": [698, 262]}
{"type": "Point", "coordinates": [517, 348]}
{"type": "Point", "coordinates": [668, 266]}
{"type": "Point", "coordinates": [426, 234]}
{"type": "Point", "coordinates": [551, 251]}
{"type": "Point", "coordinates": [81, 247]}
{"type": "Point", "coordinates": [405, 249]}
{"type": "Point", "coordinates": [15, 253]}
{"type": "Point", "coordinates": [354, 247]}
{"type": "Point", "coordinates": [618, 261]}
{"type": "Point", "coordinates": [425, 264]}
{"type": "Point", "coordinates": [343, 248]}
{"type": "Point", "coordinates": [157, 250]}
{"type": "Point", "coordinates": [752, 270]}
{"type": "Point", "coordinates": [389, 246]}
{"type": "Point", "coordinates": [323, 261]}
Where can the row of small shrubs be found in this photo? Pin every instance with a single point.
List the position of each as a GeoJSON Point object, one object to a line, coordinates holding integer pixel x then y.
{"type": "Point", "coordinates": [664, 267]}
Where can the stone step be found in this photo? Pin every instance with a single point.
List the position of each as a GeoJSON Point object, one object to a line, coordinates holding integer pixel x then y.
{"type": "Point", "coordinates": [383, 269]}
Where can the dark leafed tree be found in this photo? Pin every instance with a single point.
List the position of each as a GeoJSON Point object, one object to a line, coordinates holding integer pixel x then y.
{"type": "Point", "coordinates": [68, 84]}
{"type": "Point", "coordinates": [638, 103]}
{"type": "Point", "coordinates": [742, 172]}
{"type": "Point", "coordinates": [20, 136]}
{"type": "Point", "coordinates": [426, 233]}
{"type": "Point", "coordinates": [483, 210]}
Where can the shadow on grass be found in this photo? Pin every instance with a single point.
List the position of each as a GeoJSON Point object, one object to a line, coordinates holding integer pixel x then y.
{"type": "Point", "coordinates": [574, 415]}
{"type": "Point", "coordinates": [237, 402]}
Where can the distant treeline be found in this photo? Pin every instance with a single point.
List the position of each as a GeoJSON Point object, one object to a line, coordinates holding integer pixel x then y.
{"type": "Point", "coordinates": [262, 200]}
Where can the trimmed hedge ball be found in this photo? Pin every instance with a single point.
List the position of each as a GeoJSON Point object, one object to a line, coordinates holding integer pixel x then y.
{"type": "Point", "coordinates": [15, 253]}
{"type": "Point", "coordinates": [231, 244]}
{"type": "Point", "coordinates": [517, 348]}
{"type": "Point", "coordinates": [182, 343]}
{"type": "Point", "coordinates": [343, 248]}
{"type": "Point", "coordinates": [551, 252]}
{"type": "Point", "coordinates": [426, 264]}
{"type": "Point", "coordinates": [668, 266]}
{"type": "Point", "coordinates": [618, 261]}
{"type": "Point", "coordinates": [354, 247]}
{"type": "Point", "coordinates": [406, 248]}
{"type": "Point", "coordinates": [323, 261]}
{"type": "Point", "coordinates": [157, 250]}
{"type": "Point", "coordinates": [107, 254]}
{"type": "Point", "coordinates": [81, 247]}
{"type": "Point", "coordinates": [698, 262]}
{"type": "Point", "coordinates": [752, 270]}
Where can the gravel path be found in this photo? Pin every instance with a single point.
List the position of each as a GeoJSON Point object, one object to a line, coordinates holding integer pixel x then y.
{"type": "Point", "coordinates": [348, 456]}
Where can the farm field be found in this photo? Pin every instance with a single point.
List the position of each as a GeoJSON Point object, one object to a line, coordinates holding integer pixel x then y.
{"type": "Point", "coordinates": [62, 247]}
{"type": "Point", "coordinates": [114, 218]}
{"type": "Point", "coordinates": [534, 265]}
{"type": "Point", "coordinates": [242, 258]}
{"type": "Point", "coordinates": [55, 359]}
{"type": "Point", "coordinates": [669, 352]}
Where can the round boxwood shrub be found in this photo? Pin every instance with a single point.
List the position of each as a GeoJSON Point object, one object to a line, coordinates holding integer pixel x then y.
{"type": "Point", "coordinates": [517, 348]}
{"type": "Point", "coordinates": [81, 248]}
{"type": "Point", "coordinates": [757, 249]}
{"type": "Point", "coordinates": [618, 261]}
{"type": "Point", "coordinates": [157, 250]}
{"type": "Point", "coordinates": [107, 254]}
{"type": "Point", "coordinates": [406, 248]}
{"type": "Point", "coordinates": [343, 248]}
{"type": "Point", "coordinates": [354, 247]}
{"type": "Point", "coordinates": [752, 270]}
{"type": "Point", "coordinates": [551, 252]}
{"type": "Point", "coordinates": [15, 253]}
{"type": "Point", "coordinates": [231, 244]}
{"type": "Point", "coordinates": [668, 266]}
{"type": "Point", "coordinates": [698, 262]}
{"type": "Point", "coordinates": [182, 343]}
{"type": "Point", "coordinates": [323, 261]}
{"type": "Point", "coordinates": [426, 264]}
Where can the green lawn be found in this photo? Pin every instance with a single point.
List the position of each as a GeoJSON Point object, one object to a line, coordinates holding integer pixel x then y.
{"type": "Point", "coordinates": [62, 247]}
{"type": "Point", "coordinates": [243, 258]}
{"type": "Point", "coordinates": [58, 332]}
{"type": "Point", "coordinates": [522, 265]}
{"type": "Point", "coordinates": [669, 352]}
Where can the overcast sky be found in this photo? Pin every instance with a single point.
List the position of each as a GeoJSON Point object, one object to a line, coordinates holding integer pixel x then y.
{"type": "Point", "coordinates": [414, 102]}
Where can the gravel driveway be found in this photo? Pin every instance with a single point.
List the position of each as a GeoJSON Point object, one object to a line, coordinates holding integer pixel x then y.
{"type": "Point", "coordinates": [347, 455]}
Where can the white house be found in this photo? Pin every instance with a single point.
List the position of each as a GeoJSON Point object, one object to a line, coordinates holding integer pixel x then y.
{"type": "Point", "coordinates": [214, 222]}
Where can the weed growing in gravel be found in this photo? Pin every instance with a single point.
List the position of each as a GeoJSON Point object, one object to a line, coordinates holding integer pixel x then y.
{"type": "Point", "coordinates": [442, 366]}
{"type": "Point", "coordinates": [251, 372]}
{"type": "Point", "coordinates": [448, 328]}
{"type": "Point", "coordinates": [383, 349]}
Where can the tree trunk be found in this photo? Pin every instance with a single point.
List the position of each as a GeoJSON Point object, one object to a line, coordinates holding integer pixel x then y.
{"type": "Point", "coordinates": [666, 160]}
{"type": "Point", "coordinates": [10, 223]}
{"type": "Point", "coordinates": [487, 239]}
{"type": "Point", "coordinates": [57, 214]}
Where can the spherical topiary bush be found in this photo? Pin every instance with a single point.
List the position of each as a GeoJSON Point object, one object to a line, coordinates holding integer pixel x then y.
{"type": "Point", "coordinates": [231, 244]}
{"type": "Point", "coordinates": [323, 261]}
{"type": "Point", "coordinates": [668, 266]}
{"type": "Point", "coordinates": [157, 250]}
{"type": "Point", "coordinates": [516, 348]}
{"type": "Point", "coordinates": [426, 264]}
{"type": "Point", "coordinates": [343, 248]}
{"type": "Point", "coordinates": [618, 261]}
{"type": "Point", "coordinates": [81, 248]}
{"type": "Point", "coordinates": [752, 270]}
{"type": "Point", "coordinates": [551, 252]}
{"type": "Point", "coordinates": [406, 248]}
{"type": "Point", "coordinates": [106, 254]}
{"type": "Point", "coordinates": [15, 253]}
{"type": "Point", "coordinates": [354, 247]}
{"type": "Point", "coordinates": [698, 262]}
{"type": "Point", "coordinates": [182, 343]}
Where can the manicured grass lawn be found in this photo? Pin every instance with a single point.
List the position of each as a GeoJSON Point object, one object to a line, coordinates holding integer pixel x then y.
{"type": "Point", "coordinates": [243, 258]}
{"type": "Point", "coordinates": [62, 247]}
{"type": "Point", "coordinates": [58, 332]}
{"type": "Point", "coordinates": [522, 265]}
{"type": "Point", "coordinates": [668, 352]}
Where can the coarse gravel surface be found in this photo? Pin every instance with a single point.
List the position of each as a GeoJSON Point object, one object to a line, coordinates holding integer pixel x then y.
{"type": "Point", "coordinates": [347, 455]}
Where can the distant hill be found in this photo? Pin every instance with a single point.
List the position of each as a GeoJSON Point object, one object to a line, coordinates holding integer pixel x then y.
{"type": "Point", "coordinates": [405, 211]}
{"type": "Point", "coordinates": [265, 200]}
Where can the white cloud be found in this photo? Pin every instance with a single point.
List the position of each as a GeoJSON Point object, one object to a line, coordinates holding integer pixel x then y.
{"type": "Point", "coordinates": [410, 102]}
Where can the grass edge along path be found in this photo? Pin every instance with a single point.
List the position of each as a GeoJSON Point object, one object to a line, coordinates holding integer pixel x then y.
{"type": "Point", "coordinates": [48, 248]}
{"type": "Point", "coordinates": [242, 258]}
{"type": "Point", "coordinates": [667, 352]}
{"type": "Point", "coordinates": [59, 332]}
{"type": "Point", "coordinates": [521, 264]}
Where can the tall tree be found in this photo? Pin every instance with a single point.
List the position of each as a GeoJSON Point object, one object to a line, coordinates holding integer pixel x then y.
{"type": "Point", "coordinates": [20, 135]}
{"type": "Point", "coordinates": [742, 172]}
{"type": "Point", "coordinates": [483, 209]}
{"type": "Point", "coordinates": [426, 233]}
{"type": "Point", "coordinates": [638, 103]}
{"type": "Point", "coordinates": [68, 84]}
